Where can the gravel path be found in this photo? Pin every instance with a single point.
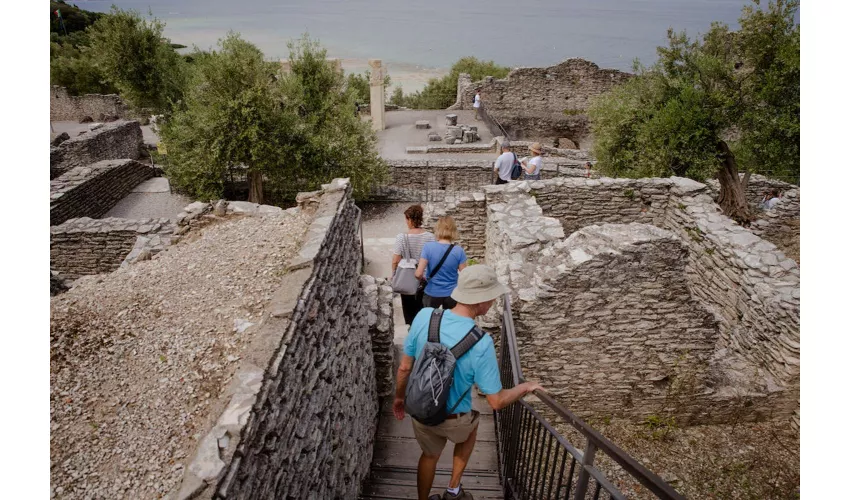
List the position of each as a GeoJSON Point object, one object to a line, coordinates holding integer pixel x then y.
{"type": "Point", "coordinates": [140, 357]}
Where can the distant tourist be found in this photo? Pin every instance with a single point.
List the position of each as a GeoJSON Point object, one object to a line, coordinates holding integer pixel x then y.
{"type": "Point", "coordinates": [476, 102]}
{"type": "Point", "coordinates": [769, 200]}
{"type": "Point", "coordinates": [439, 265]}
{"type": "Point", "coordinates": [587, 167]}
{"type": "Point", "coordinates": [533, 167]}
{"type": "Point", "coordinates": [408, 246]}
{"type": "Point", "coordinates": [450, 417]}
{"type": "Point", "coordinates": [504, 164]}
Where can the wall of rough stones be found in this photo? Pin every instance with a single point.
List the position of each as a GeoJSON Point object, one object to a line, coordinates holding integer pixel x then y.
{"type": "Point", "coordinates": [444, 180]}
{"type": "Point", "coordinates": [84, 246]}
{"type": "Point", "coordinates": [538, 102]}
{"type": "Point", "coordinates": [735, 292]}
{"type": "Point", "coordinates": [781, 224]}
{"type": "Point", "coordinates": [579, 202]}
{"type": "Point", "coordinates": [469, 212]}
{"type": "Point", "coordinates": [111, 141]}
{"type": "Point", "coordinates": [309, 427]}
{"type": "Point", "coordinates": [379, 299]}
{"type": "Point", "coordinates": [754, 290]}
{"type": "Point", "coordinates": [93, 190]}
{"type": "Point", "coordinates": [64, 107]}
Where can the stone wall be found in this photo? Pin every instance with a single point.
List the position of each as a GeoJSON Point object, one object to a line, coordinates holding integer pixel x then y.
{"type": "Point", "coordinates": [543, 102]}
{"type": "Point", "coordinates": [93, 190]}
{"type": "Point", "coordinates": [781, 224]}
{"type": "Point", "coordinates": [84, 246]}
{"type": "Point", "coordinates": [65, 107]}
{"type": "Point", "coordinates": [723, 346]}
{"type": "Point", "coordinates": [470, 214]}
{"type": "Point", "coordinates": [579, 202]}
{"type": "Point", "coordinates": [308, 427]}
{"type": "Point", "coordinates": [112, 141]}
{"type": "Point", "coordinates": [379, 298]}
{"type": "Point", "coordinates": [444, 180]}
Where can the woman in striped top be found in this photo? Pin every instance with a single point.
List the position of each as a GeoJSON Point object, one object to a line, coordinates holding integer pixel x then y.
{"type": "Point", "coordinates": [410, 245]}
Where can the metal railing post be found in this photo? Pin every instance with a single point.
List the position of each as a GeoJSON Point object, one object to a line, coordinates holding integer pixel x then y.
{"type": "Point", "coordinates": [584, 475]}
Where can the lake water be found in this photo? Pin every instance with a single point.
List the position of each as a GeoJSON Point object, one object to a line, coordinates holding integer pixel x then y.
{"type": "Point", "coordinates": [421, 39]}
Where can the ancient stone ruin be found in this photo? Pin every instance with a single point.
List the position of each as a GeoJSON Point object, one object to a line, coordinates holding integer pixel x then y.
{"type": "Point", "coordinates": [538, 103]}
{"type": "Point", "coordinates": [638, 297]}
{"type": "Point", "coordinates": [234, 361]}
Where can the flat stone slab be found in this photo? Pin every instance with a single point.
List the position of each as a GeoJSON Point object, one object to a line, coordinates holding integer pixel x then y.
{"type": "Point", "coordinates": [423, 124]}
{"type": "Point", "coordinates": [153, 185]}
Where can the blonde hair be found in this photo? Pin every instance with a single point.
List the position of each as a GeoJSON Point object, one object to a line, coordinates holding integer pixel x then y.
{"type": "Point", "coordinates": [446, 229]}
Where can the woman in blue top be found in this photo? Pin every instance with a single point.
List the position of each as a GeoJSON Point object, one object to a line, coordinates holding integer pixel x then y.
{"type": "Point", "coordinates": [442, 282]}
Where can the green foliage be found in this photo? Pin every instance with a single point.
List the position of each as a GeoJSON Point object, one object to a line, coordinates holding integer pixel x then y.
{"type": "Point", "coordinates": [397, 96]}
{"type": "Point", "coordinates": [72, 66]}
{"type": "Point", "coordinates": [295, 130]}
{"type": "Point", "coordinates": [74, 18]}
{"type": "Point", "coordinates": [740, 88]}
{"type": "Point", "coordinates": [133, 55]}
{"type": "Point", "coordinates": [440, 93]}
{"type": "Point", "coordinates": [660, 426]}
{"type": "Point", "coordinates": [629, 193]}
{"type": "Point", "coordinates": [361, 87]}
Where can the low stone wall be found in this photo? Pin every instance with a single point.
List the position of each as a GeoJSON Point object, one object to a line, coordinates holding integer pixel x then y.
{"type": "Point", "coordinates": [93, 190]}
{"type": "Point", "coordinates": [310, 425]}
{"type": "Point", "coordinates": [112, 141]}
{"type": "Point", "coordinates": [730, 330]}
{"type": "Point", "coordinates": [65, 107]}
{"type": "Point", "coordinates": [445, 180]}
{"type": "Point", "coordinates": [84, 246]}
{"type": "Point", "coordinates": [379, 299]}
{"type": "Point", "coordinates": [579, 202]}
{"type": "Point", "coordinates": [470, 214]}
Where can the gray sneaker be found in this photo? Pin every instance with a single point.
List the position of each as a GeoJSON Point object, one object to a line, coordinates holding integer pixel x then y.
{"type": "Point", "coordinates": [461, 495]}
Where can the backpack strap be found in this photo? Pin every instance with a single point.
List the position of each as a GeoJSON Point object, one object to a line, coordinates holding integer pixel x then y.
{"type": "Point", "coordinates": [467, 342]}
{"type": "Point", "coordinates": [440, 264]}
{"type": "Point", "coordinates": [434, 325]}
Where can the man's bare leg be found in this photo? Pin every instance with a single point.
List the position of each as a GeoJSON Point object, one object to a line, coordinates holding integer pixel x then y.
{"type": "Point", "coordinates": [425, 475]}
{"type": "Point", "coordinates": [461, 457]}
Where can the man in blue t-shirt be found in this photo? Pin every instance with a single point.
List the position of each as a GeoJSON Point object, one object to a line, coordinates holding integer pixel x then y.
{"type": "Point", "coordinates": [476, 291]}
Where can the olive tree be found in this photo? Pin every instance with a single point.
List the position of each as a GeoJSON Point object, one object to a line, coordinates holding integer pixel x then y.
{"type": "Point", "coordinates": [712, 107]}
{"type": "Point", "coordinates": [284, 131]}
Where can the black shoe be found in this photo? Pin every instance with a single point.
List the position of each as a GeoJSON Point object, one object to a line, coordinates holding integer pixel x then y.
{"type": "Point", "coordinates": [461, 495]}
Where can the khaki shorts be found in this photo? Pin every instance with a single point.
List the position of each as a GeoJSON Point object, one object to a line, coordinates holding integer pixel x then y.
{"type": "Point", "coordinates": [432, 439]}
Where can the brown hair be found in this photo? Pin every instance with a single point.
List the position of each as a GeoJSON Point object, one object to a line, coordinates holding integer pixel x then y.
{"type": "Point", "coordinates": [446, 229]}
{"type": "Point", "coordinates": [414, 213]}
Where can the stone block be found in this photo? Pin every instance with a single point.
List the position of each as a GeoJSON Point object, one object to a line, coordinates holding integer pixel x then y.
{"type": "Point", "coordinates": [451, 119]}
{"type": "Point", "coordinates": [422, 124]}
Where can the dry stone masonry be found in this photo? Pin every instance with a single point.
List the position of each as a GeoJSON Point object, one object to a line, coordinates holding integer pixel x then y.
{"type": "Point", "coordinates": [379, 298]}
{"type": "Point", "coordinates": [117, 140]}
{"type": "Point", "coordinates": [65, 107]}
{"type": "Point", "coordinates": [91, 191]}
{"type": "Point", "coordinates": [638, 297]}
{"type": "Point", "coordinates": [307, 423]}
{"type": "Point", "coordinates": [84, 246]}
{"type": "Point", "coordinates": [470, 214]}
{"type": "Point", "coordinates": [537, 102]}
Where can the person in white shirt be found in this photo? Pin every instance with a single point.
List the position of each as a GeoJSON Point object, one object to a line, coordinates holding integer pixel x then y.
{"type": "Point", "coordinates": [533, 167]}
{"type": "Point", "coordinates": [770, 199]}
{"type": "Point", "coordinates": [476, 103]}
{"type": "Point", "coordinates": [504, 164]}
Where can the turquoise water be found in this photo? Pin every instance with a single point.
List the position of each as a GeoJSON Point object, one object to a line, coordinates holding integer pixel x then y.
{"type": "Point", "coordinates": [422, 38]}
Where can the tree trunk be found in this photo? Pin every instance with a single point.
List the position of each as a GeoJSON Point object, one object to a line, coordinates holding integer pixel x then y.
{"type": "Point", "coordinates": [733, 198]}
{"type": "Point", "coordinates": [255, 187]}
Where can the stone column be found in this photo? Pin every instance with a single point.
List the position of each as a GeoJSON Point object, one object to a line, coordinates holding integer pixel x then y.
{"type": "Point", "coordinates": [376, 95]}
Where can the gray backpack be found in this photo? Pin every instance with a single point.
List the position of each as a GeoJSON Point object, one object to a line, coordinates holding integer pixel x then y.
{"type": "Point", "coordinates": [433, 373]}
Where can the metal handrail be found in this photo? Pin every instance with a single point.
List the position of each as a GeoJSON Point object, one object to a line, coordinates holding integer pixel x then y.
{"type": "Point", "coordinates": [514, 430]}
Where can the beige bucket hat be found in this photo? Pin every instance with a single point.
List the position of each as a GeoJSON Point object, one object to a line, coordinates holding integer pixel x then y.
{"type": "Point", "coordinates": [477, 284]}
{"type": "Point", "coordinates": [536, 148]}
